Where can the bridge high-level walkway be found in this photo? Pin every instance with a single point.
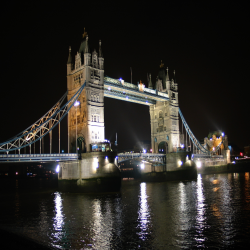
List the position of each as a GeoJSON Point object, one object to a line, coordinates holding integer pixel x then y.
{"type": "Point", "coordinates": [118, 89]}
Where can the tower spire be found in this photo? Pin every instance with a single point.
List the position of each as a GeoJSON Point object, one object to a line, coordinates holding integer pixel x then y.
{"type": "Point", "coordinates": [174, 77]}
{"type": "Point", "coordinates": [162, 64]}
{"type": "Point", "coordinates": [69, 58]}
{"type": "Point", "coordinates": [150, 85]}
{"type": "Point", "coordinates": [87, 45]}
{"type": "Point", "coordinates": [100, 48]}
{"type": "Point", "coordinates": [167, 77]}
{"type": "Point", "coordinates": [84, 34]}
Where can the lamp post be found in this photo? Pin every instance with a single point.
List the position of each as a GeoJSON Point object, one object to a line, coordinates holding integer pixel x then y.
{"type": "Point", "coordinates": [76, 104]}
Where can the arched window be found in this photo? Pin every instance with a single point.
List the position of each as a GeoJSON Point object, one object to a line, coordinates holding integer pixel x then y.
{"type": "Point", "coordinates": [163, 147]}
{"type": "Point", "coordinates": [160, 114]}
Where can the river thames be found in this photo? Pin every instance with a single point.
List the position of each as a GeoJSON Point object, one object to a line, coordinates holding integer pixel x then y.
{"type": "Point", "coordinates": [212, 212]}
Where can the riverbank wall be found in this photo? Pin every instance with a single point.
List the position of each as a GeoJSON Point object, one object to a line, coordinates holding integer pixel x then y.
{"type": "Point", "coordinates": [238, 167]}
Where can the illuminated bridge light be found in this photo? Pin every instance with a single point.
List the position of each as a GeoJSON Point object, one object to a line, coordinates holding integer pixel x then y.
{"type": "Point", "coordinates": [76, 103]}
{"type": "Point", "coordinates": [109, 88]}
{"type": "Point", "coordinates": [126, 97]}
{"type": "Point", "coordinates": [198, 164]}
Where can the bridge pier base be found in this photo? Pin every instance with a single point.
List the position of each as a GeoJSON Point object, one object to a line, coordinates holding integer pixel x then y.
{"type": "Point", "coordinates": [178, 166]}
{"type": "Point", "coordinates": [95, 172]}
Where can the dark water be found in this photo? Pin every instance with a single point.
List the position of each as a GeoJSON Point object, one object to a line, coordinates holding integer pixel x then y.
{"type": "Point", "coordinates": [212, 212]}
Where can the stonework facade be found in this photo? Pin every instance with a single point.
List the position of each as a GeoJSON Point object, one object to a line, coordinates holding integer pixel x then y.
{"type": "Point", "coordinates": [164, 119]}
{"type": "Point", "coordinates": [86, 121]}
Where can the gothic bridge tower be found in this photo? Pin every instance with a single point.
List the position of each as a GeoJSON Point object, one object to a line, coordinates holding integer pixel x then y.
{"type": "Point", "coordinates": [164, 119]}
{"type": "Point", "coordinates": [86, 121]}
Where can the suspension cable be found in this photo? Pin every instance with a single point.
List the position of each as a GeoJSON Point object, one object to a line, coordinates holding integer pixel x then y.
{"type": "Point", "coordinates": [42, 126]}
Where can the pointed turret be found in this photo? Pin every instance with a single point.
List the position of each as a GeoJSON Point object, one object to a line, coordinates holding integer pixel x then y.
{"type": "Point", "coordinates": [167, 80]}
{"type": "Point", "coordinates": [87, 45]}
{"type": "Point", "coordinates": [83, 45]}
{"type": "Point", "coordinates": [162, 75]}
{"type": "Point", "coordinates": [69, 62]}
{"type": "Point", "coordinates": [101, 59]}
{"type": "Point", "coordinates": [69, 58]}
{"type": "Point", "coordinates": [100, 48]}
{"type": "Point", "coordinates": [150, 84]}
{"type": "Point", "coordinates": [175, 82]}
{"type": "Point", "coordinates": [87, 55]}
{"type": "Point", "coordinates": [172, 84]}
{"type": "Point", "coordinates": [167, 76]}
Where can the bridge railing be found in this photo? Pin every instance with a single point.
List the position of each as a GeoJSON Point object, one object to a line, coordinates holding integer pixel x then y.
{"type": "Point", "coordinates": [145, 156]}
{"type": "Point", "coordinates": [115, 81]}
{"type": "Point", "coordinates": [36, 155]}
{"type": "Point", "coordinates": [43, 157]}
{"type": "Point", "coordinates": [135, 87]}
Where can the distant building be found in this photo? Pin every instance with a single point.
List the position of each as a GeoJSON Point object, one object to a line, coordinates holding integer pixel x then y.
{"type": "Point", "coordinates": [216, 139]}
{"type": "Point", "coordinates": [247, 151]}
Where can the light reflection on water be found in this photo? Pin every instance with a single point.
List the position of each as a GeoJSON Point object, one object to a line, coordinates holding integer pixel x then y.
{"type": "Point", "coordinates": [212, 211]}
{"type": "Point", "coordinates": [58, 221]}
{"type": "Point", "coordinates": [143, 213]}
{"type": "Point", "coordinates": [201, 220]}
{"type": "Point", "coordinates": [201, 206]}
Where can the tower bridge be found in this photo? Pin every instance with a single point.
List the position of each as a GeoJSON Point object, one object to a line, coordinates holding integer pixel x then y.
{"type": "Point", "coordinates": [86, 88]}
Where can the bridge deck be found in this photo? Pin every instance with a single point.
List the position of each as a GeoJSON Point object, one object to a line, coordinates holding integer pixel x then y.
{"type": "Point", "coordinates": [37, 157]}
{"type": "Point", "coordinates": [145, 156]}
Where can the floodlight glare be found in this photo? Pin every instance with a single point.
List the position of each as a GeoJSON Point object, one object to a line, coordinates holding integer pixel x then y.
{"type": "Point", "coordinates": [76, 103]}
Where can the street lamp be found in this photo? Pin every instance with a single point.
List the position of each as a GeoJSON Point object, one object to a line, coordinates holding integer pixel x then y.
{"type": "Point", "coordinates": [76, 104]}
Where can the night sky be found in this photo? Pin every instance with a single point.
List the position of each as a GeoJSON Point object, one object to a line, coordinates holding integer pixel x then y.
{"type": "Point", "coordinates": [207, 44]}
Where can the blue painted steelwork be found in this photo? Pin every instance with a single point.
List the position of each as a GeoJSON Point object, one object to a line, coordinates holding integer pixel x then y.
{"type": "Point", "coordinates": [41, 127]}
{"type": "Point", "coordinates": [195, 141]}
{"type": "Point", "coordinates": [37, 157]}
{"type": "Point", "coordinates": [191, 135]}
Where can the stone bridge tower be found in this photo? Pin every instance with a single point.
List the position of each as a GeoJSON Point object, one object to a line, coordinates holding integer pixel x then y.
{"type": "Point", "coordinates": [164, 119]}
{"type": "Point", "coordinates": [86, 121]}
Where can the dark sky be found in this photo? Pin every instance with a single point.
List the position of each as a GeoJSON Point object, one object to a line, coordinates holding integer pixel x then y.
{"type": "Point", "coordinates": [207, 44]}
